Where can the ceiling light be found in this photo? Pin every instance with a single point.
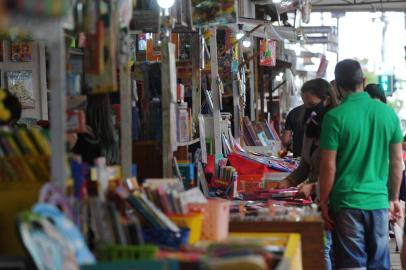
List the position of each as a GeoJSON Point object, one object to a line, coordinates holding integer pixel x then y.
{"type": "Point", "coordinates": [165, 3]}
{"type": "Point", "coordinates": [276, 1]}
{"type": "Point", "coordinates": [246, 43]}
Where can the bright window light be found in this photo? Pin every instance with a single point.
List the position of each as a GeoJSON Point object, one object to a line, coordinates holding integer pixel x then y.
{"type": "Point", "coordinates": [166, 3]}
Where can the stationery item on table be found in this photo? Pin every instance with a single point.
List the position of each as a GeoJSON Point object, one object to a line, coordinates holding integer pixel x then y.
{"type": "Point", "coordinates": [67, 230]}
{"type": "Point", "coordinates": [170, 197]}
{"type": "Point", "coordinates": [46, 246]}
{"type": "Point", "coordinates": [153, 215]}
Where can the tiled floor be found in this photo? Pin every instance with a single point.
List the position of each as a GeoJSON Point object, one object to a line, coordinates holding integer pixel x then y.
{"type": "Point", "coordinates": [394, 256]}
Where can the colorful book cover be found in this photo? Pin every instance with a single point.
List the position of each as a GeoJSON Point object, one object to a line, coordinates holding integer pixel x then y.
{"type": "Point", "coordinates": [21, 51]}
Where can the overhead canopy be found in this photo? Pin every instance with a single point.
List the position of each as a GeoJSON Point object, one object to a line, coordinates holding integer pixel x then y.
{"type": "Point", "coordinates": [358, 5]}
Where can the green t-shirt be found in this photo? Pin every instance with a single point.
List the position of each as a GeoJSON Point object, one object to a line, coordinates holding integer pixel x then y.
{"type": "Point", "coordinates": [361, 130]}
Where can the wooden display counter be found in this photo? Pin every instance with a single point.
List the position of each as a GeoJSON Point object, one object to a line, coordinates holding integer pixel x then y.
{"type": "Point", "coordinates": [311, 233]}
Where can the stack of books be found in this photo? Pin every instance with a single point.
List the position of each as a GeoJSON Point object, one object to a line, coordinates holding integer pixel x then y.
{"type": "Point", "coordinates": [170, 197]}
{"type": "Point", "coordinates": [259, 134]}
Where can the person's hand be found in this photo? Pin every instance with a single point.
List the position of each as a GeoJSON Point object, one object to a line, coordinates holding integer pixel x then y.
{"type": "Point", "coordinates": [326, 216]}
{"type": "Point", "coordinates": [305, 190]}
{"type": "Point", "coordinates": [395, 211]}
{"type": "Point", "coordinates": [285, 183]}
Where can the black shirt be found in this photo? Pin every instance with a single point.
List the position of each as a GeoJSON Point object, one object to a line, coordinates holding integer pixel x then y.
{"type": "Point", "coordinates": [88, 147]}
{"type": "Point", "coordinates": [294, 123]}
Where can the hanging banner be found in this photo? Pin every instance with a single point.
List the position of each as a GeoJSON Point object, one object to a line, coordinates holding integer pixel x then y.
{"type": "Point", "coordinates": [267, 53]}
{"type": "Point", "coordinates": [213, 12]}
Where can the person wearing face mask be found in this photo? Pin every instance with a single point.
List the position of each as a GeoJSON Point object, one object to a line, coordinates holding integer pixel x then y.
{"type": "Point", "coordinates": [318, 97]}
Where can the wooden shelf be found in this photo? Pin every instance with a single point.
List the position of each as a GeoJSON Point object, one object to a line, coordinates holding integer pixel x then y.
{"type": "Point", "coordinates": [189, 142]}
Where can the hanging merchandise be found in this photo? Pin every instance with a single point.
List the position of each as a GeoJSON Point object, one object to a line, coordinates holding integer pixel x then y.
{"type": "Point", "coordinates": [321, 71]}
{"type": "Point", "coordinates": [221, 91]}
{"type": "Point", "coordinates": [154, 47]}
{"type": "Point", "coordinates": [54, 8]}
{"type": "Point", "coordinates": [267, 53]}
{"type": "Point", "coordinates": [125, 10]}
{"type": "Point", "coordinates": [94, 56]}
{"type": "Point", "coordinates": [106, 81]}
{"type": "Point", "coordinates": [214, 12]}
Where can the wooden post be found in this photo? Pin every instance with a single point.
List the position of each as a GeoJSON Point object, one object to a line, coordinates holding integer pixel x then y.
{"type": "Point", "coordinates": [58, 105]}
{"type": "Point", "coordinates": [215, 92]}
{"type": "Point", "coordinates": [196, 79]}
{"type": "Point", "coordinates": [168, 107]}
{"type": "Point", "coordinates": [256, 82]}
{"type": "Point", "coordinates": [126, 119]}
{"type": "Point", "coordinates": [237, 110]}
{"type": "Point", "coordinates": [252, 89]}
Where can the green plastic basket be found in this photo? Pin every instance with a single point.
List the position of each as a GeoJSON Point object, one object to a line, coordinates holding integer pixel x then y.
{"type": "Point", "coordinates": [130, 252]}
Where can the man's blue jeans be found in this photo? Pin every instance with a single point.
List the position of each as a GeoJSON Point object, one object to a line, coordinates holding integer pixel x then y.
{"type": "Point", "coordinates": [360, 239]}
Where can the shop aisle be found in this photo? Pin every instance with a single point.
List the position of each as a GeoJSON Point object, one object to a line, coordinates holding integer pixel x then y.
{"type": "Point", "coordinates": [394, 256]}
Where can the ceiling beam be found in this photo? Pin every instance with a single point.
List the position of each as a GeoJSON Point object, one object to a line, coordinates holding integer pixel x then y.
{"type": "Point", "coordinates": [374, 5]}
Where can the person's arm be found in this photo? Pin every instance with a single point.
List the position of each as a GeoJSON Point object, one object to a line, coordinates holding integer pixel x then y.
{"type": "Point", "coordinates": [395, 178]}
{"type": "Point", "coordinates": [286, 138]}
{"type": "Point", "coordinates": [287, 133]}
{"type": "Point", "coordinates": [326, 179]}
{"type": "Point", "coordinates": [329, 145]}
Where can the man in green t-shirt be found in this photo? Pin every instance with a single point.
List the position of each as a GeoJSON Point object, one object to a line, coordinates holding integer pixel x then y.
{"type": "Point", "coordinates": [361, 149]}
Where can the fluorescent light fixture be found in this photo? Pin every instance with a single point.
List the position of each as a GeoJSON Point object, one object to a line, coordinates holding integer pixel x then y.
{"type": "Point", "coordinates": [276, 1]}
{"type": "Point", "coordinates": [165, 3]}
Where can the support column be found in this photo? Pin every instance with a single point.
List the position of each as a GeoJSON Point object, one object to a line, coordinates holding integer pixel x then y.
{"type": "Point", "coordinates": [196, 79]}
{"type": "Point", "coordinates": [215, 92]}
{"type": "Point", "coordinates": [168, 107]}
{"type": "Point", "coordinates": [126, 118]}
{"type": "Point", "coordinates": [58, 106]}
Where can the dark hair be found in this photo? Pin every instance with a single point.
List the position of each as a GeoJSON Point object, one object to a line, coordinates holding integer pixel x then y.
{"type": "Point", "coordinates": [99, 118]}
{"type": "Point", "coordinates": [12, 104]}
{"type": "Point", "coordinates": [348, 74]}
{"type": "Point", "coordinates": [321, 89]}
{"type": "Point", "coordinates": [375, 91]}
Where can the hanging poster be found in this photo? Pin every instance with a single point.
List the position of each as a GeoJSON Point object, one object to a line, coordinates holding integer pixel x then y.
{"type": "Point", "coordinates": [267, 53]}
{"type": "Point", "coordinates": [154, 47]}
{"type": "Point", "coordinates": [21, 51]}
{"type": "Point", "coordinates": [213, 12]}
{"type": "Point", "coordinates": [19, 83]}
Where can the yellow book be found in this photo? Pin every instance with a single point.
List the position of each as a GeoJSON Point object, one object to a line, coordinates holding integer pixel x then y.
{"type": "Point", "coordinates": [42, 141]}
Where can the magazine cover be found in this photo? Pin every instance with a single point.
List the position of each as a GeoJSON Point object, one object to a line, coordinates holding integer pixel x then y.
{"type": "Point", "coordinates": [19, 83]}
{"type": "Point", "coordinates": [21, 51]}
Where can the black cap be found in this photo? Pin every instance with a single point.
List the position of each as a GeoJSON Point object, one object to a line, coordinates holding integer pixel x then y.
{"type": "Point", "coordinates": [348, 74]}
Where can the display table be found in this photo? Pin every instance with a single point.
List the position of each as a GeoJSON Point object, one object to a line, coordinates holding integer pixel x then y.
{"type": "Point", "coordinates": [311, 233]}
{"type": "Point", "coordinates": [292, 256]}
